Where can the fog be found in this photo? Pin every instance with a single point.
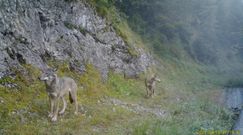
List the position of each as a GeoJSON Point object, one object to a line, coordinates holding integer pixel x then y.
{"type": "Point", "coordinates": [209, 31]}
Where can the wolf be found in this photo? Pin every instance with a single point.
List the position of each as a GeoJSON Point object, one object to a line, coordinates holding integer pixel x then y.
{"type": "Point", "coordinates": [56, 89]}
{"type": "Point", "coordinates": [150, 84]}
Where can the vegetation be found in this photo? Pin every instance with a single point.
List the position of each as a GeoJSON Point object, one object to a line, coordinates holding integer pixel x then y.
{"type": "Point", "coordinates": [24, 110]}
{"type": "Point", "coordinates": [168, 25]}
{"type": "Point", "coordinates": [190, 91]}
{"type": "Point", "coordinates": [117, 20]}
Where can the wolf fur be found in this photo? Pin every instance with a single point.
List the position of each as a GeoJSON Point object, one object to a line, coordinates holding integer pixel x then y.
{"type": "Point", "coordinates": [56, 89]}
{"type": "Point", "coordinates": [150, 84]}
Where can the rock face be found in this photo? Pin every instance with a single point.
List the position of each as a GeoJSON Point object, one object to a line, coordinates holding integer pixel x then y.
{"type": "Point", "coordinates": [33, 31]}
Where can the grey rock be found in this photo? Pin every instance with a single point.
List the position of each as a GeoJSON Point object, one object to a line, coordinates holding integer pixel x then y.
{"type": "Point", "coordinates": [32, 32]}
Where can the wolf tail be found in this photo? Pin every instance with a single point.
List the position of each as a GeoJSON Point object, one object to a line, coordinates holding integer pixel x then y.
{"type": "Point", "coordinates": [70, 97]}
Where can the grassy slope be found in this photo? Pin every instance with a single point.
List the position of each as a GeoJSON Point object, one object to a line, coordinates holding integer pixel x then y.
{"type": "Point", "coordinates": [189, 93]}
{"type": "Point", "coordinates": [184, 94]}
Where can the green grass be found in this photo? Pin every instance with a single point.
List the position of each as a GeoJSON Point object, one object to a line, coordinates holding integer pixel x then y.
{"type": "Point", "coordinates": [192, 94]}
{"type": "Point", "coordinates": [188, 92]}
{"type": "Point", "coordinates": [190, 106]}
{"type": "Point", "coordinates": [107, 10]}
{"type": "Point", "coordinates": [24, 110]}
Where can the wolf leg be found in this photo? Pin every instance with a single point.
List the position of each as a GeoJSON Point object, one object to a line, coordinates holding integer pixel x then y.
{"type": "Point", "coordinates": [150, 92]}
{"type": "Point", "coordinates": [64, 106]}
{"type": "Point", "coordinates": [56, 108]}
{"type": "Point", "coordinates": [76, 106]}
{"type": "Point", "coordinates": [75, 103]}
{"type": "Point", "coordinates": [146, 86]}
{"type": "Point", "coordinates": [74, 99]}
{"type": "Point", "coordinates": [147, 91]}
{"type": "Point", "coordinates": [153, 92]}
{"type": "Point", "coordinates": [51, 107]}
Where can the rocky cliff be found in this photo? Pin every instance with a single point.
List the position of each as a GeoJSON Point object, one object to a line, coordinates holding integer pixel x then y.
{"type": "Point", "coordinates": [33, 31]}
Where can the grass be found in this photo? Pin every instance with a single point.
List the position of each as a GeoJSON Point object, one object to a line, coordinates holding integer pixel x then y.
{"type": "Point", "coordinates": [190, 93]}
{"type": "Point", "coordinates": [118, 21]}
{"type": "Point", "coordinates": [73, 26]}
{"type": "Point", "coordinates": [24, 110]}
{"type": "Point", "coordinates": [192, 108]}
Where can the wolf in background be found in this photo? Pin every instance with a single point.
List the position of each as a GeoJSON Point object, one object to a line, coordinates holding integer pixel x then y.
{"type": "Point", "coordinates": [150, 84]}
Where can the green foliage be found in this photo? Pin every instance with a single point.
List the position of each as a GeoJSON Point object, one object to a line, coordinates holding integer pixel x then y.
{"type": "Point", "coordinates": [106, 9]}
{"type": "Point", "coordinates": [187, 119]}
{"type": "Point", "coordinates": [172, 26]}
{"type": "Point", "coordinates": [103, 7]}
{"type": "Point", "coordinates": [125, 88]}
{"type": "Point", "coordinates": [6, 80]}
{"type": "Point", "coordinates": [82, 30]}
{"type": "Point", "coordinates": [185, 91]}
{"type": "Point", "coordinates": [24, 110]}
{"type": "Point", "coordinates": [70, 25]}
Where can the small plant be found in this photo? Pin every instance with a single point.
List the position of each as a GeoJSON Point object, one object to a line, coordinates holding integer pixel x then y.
{"type": "Point", "coordinates": [83, 31]}
{"type": "Point", "coordinates": [70, 25]}
{"type": "Point", "coordinates": [6, 80]}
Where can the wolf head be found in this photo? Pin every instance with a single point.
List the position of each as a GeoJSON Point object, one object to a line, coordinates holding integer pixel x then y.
{"type": "Point", "coordinates": [156, 78]}
{"type": "Point", "coordinates": [49, 75]}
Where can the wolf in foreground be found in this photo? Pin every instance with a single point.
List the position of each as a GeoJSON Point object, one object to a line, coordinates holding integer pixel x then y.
{"type": "Point", "coordinates": [57, 88]}
{"type": "Point", "coordinates": [150, 84]}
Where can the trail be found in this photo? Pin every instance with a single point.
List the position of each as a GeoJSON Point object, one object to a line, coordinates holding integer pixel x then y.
{"type": "Point", "coordinates": [136, 108]}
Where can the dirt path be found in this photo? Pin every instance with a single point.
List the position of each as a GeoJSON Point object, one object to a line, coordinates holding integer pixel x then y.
{"type": "Point", "coordinates": [136, 108]}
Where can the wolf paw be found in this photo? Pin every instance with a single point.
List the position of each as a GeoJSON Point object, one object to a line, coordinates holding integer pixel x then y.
{"type": "Point", "coordinates": [61, 112]}
{"type": "Point", "coordinates": [50, 115]}
{"type": "Point", "coordinates": [76, 113]}
{"type": "Point", "coordinates": [54, 119]}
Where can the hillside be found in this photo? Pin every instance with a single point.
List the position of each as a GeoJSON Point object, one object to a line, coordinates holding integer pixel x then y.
{"type": "Point", "coordinates": [109, 47]}
{"type": "Point", "coordinates": [209, 31]}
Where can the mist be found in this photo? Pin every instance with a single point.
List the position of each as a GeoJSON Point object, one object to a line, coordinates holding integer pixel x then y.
{"type": "Point", "coordinates": [207, 31]}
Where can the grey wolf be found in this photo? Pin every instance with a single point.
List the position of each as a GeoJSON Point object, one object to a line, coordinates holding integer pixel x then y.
{"type": "Point", "coordinates": [150, 84]}
{"type": "Point", "coordinates": [56, 89]}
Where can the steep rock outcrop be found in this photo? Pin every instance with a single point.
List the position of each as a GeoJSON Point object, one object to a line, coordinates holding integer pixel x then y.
{"type": "Point", "coordinates": [33, 31]}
